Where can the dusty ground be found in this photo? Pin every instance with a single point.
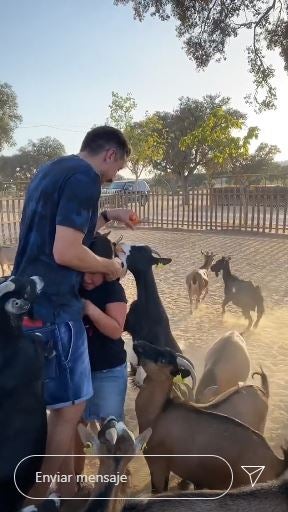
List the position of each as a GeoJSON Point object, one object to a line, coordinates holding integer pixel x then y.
{"type": "Point", "coordinates": [261, 259]}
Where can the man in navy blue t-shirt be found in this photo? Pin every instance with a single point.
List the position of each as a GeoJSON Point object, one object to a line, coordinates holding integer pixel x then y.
{"type": "Point", "coordinates": [60, 216]}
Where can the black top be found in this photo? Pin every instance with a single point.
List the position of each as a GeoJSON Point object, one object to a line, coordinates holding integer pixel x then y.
{"type": "Point", "coordinates": [63, 192]}
{"type": "Point", "coordinates": [104, 352]}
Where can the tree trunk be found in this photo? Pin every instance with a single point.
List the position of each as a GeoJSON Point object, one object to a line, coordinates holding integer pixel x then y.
{"type": "Point", "coordinates": [185, 191]}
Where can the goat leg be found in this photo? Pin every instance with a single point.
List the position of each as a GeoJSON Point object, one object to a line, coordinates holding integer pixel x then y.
{"type": "Point", "coordinates": [204, 294]}
{"type": "Point", "coordinates": [248, 316]}
{"type": "Point", "coordinates": [224, 304]}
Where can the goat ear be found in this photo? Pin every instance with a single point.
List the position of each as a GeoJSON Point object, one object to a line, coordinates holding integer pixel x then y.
{"type": "Point", "coordinates": [90, 441]}
{"type": "Point", "coordinates": [106, 234]}
{"type": "Point", "coordinates": [141, 440]}
{"type": "Point", "coordinates": [161, 261]}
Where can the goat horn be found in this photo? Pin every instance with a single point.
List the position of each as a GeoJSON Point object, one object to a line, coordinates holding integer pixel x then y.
{"type": "Point", "coordinates": [111, 435]}
{"type": "Point", "coordinates": [39, 283]}
{"type": "Point", "coordinates": [6, 287]}
{"type": "Point", "coordinates": [183, 363]}
{"type": "Point", "coordinates": [118, 240]}
{"type": "Point", "coordinates": [156, 252]}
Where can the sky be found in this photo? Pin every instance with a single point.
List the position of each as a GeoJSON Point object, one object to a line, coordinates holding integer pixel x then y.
{"type": "Point", "coordinates": [64, 58]}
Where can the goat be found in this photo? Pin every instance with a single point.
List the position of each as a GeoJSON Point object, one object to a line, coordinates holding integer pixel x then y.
{"type": "Point", "coordinates": [269, 497]}
{"type": "Point", "coordinates": [118, 445]}
{"type": "Point", "coordinates": [115, 440]}
{"type": "Point", "coordinates": [226, 363]}
{"type": "Point", "coordinates": [23, 420]}
{"type": "Point", "coordinates": [241, 293]}
{"type": "Point", "coordinates": [197, 280]}
{"type": "Point", "coordinates": [7, 256]}
{"type": "Point", "coordinates": [245, 403]}
{"type": "Point", "coordinates": [147, 319]}
{"type": "Point", "coordinates": [182, 429]}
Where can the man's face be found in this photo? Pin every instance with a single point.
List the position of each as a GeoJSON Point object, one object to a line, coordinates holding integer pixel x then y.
{"type": "Point", "coordinates": [111, 165]}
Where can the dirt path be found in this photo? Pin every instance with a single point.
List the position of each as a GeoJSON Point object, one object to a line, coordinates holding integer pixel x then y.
{"type": "Point", "coordinates": [261, 259]}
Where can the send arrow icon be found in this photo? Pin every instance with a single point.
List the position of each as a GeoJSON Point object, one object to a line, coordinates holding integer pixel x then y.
{"type": "Point", "coordinates": [254, 473]}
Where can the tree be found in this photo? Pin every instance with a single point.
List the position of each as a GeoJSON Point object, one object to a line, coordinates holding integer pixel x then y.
{"type": "Point", "coordinates": [146, 137]}
{"type": "Point", "coordinates": [121, 110]}
{"type": "Point", "coordinates": [255, 167]}
{"type": "Point", "coordinates": [193, 130]}
{"type": "Point", "coordinates": [213, 145]}
{"type": "Point", "coordinates": [9, 116]}
{"type": "Point", "coordinates": [31, 156]}
{"type": "Point", "coordinates": [148, 142]}
{"type": "Point", "coordinates": [206, 27]}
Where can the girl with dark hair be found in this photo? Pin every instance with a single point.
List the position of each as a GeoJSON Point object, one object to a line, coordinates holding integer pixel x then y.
{"type": "Point", "coordinates": [105, 308]}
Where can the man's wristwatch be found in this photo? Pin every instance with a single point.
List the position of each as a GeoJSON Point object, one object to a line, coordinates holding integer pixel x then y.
{"type": "Point", "coordinates": [104, 214]}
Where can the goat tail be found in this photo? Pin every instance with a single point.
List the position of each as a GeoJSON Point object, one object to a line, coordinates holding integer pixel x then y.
{"type": "Point", "coordinates": [259, 305]}
{"type": "Point", "coordinates": [264, 381]}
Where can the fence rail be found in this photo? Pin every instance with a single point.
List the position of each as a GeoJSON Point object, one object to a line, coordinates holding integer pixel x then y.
{"type": "Point", "coordinates": [254, 209]}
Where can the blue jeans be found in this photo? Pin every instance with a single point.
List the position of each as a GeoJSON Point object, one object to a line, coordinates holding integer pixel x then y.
{"type": "Point", "coordinates": [67, 373]}
{"type": "Point", "coordinates": [109, 388]}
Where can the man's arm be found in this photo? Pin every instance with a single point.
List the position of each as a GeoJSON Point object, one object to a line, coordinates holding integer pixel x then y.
{"type": "Point", "coordinates": [118, 214]}
{"type": "Point", "coordinates": [69, 252]}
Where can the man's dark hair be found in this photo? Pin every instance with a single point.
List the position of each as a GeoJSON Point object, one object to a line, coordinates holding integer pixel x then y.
{"type": "Point", "coordinates": [104, 137]}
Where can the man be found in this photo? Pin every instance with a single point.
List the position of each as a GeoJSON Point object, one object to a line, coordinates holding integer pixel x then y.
{"type": "Point", "coordinates": [58, 223]}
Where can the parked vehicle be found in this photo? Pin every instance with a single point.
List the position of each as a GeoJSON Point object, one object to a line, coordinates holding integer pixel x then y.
{"type": "Point", "coordinates": [134, 190]}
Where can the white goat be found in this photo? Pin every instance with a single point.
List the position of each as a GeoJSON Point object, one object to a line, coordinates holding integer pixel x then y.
{"type": "Point", "coordinates": [197, 280]}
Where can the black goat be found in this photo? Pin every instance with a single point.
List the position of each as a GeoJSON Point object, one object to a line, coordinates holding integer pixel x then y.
{"type": "Point", "coordinates": [23, 422]}
{"type": "Point", "coordinates": [241, 293]}
{"type": "Point", "coordinates": [147, 319]}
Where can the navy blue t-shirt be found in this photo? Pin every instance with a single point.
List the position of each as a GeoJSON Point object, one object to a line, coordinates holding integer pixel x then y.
{"type": "Point", "coordinates": [104, 352]}
{"type": "Point", "coordinates": [63, 192]}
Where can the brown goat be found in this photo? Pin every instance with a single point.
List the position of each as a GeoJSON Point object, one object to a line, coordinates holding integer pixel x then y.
{"type": "Point", "coordinates": [183, 429]}
{"type": "Point", "coordinates": [197, 280]}
{"type": "Point", "coordinates": [226, 363]}
{"type": "Point", "coordinates": [245, 403]}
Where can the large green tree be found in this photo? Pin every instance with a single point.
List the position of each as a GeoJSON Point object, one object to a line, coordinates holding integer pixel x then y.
{"type": "Point", "coordinates": [200, 137]}
{"type": "Point", "coordinates": [35, 153]}
{"type": "Point", "coordinates": [207, 26]}
{"type": "Point", "coordinates": [9, 115]}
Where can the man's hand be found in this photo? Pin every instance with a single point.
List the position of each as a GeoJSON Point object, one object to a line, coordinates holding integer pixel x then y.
{"type": "Point", "coordinates": [122, 215]}
{"type": "Point", "coordinates": [115, 270]}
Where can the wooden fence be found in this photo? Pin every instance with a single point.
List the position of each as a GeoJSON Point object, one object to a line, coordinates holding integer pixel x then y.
{"type": "Point", "coordinates": [254, 209]}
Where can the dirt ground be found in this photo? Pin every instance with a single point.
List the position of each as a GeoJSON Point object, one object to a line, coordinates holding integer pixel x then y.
{"type": "Point", "coordinates": [259, 258]}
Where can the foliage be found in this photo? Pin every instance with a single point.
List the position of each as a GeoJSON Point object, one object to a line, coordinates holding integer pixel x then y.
{"type": "Point", "coordinates": [23, 164]}
{"type": "Point", "coordinates": [207, 26]}
{"type": "Point", "coordinates": [146, 137]}
{"type": "Point", "coordinates": [9, 116]}
{"type": "Point", "coordinates": [212, 143]}
{"type": "Point", "coordinates": [121, 110]}
{"type": "Point", "coordinates": [261, 164]}
{"type": "Point", "coordinates": [188, 130]}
